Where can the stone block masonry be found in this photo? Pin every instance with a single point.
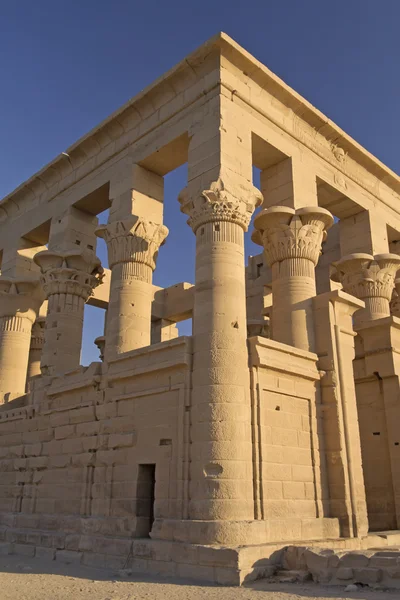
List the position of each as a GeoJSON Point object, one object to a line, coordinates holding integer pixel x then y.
{"type": "Point", "coordinates": [204, 455]}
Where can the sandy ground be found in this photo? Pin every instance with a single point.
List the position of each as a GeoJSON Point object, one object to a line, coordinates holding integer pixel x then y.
{"type": "Point", "coordinates": [33, 579]}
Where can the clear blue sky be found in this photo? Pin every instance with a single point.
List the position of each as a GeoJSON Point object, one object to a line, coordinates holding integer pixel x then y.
{"type": "Point", "coordinates": [66, 65]}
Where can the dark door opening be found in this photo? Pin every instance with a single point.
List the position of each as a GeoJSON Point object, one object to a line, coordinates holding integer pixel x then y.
{"type": "Point", "coordinates": [146, 484]}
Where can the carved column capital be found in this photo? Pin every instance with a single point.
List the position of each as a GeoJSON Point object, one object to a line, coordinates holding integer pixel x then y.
{"type": "Point", "coordinates": [222, 202]}
{"type": "Point", "coordinates": [20, 297]}
{"type": "Point", "coordinates": [370, 279]}
{"type": "Point", "coordinates": [133, 245]}
{"type": "Point", "coordinates": [133, 240]}
{"type": "Point", "coordinates": [366, 276]}
{"type": "Point", "coordinates": [286, 233]}
{"type": "Point", "coordinates": [20, 301]}
{"type": "Point", "coordinates": [292, 242]}
{"type": "Point", "coordinates": [75, 272]}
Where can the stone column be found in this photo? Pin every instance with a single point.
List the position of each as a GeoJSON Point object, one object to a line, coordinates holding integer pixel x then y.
{"type": "Point", "coordinates": [292, 244]}
{"type": "Point", "coordinates": [133, 246]}
{"type": "Point", "coordinates": [68, 280]}
{"type": "Point", "coordinates": [20, 301]}
{"type": "Point", "coordinates": [221, 478]}
{"type": "Point", "coordinates": [370, 279]}
{"type": "Point", "coordinates": [36, 348]}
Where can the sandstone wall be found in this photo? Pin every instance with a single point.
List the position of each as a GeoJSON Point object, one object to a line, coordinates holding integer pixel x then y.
{"type": "Point", "coordinates": [290, 466]}
{"type": "Point", "coordinates": [70, 461]}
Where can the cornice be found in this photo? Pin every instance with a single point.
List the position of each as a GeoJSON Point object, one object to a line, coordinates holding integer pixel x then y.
{"type": "Point", "coordinates": [132, 121]}
{"type": "Point", "coordinates": [303, 110]}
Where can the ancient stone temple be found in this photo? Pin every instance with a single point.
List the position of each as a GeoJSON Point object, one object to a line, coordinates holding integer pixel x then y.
{"type": "Point", "coordinates": [278, 419]}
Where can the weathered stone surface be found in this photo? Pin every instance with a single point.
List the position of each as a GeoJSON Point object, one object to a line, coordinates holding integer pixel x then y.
{"type": "Point", "coordinates": [368, 575]}
{"type": "Point", "coordinates": [344, 573]}
{"type": "Point", "coordinates": [354, 560]}
{"type": "Point", "coordinates": [276, 421]}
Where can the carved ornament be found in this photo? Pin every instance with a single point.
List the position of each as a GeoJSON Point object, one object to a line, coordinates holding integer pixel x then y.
{"type": "Point", "coordinates": [366, 276]}
{"type": "Point", "coordinates": [286, 233]}
{"type": "Point", "coordinates": [76, 272]}
{"type": "Point", "coordinates": [133, 240]}
{"type": "Point", "coordinates": [220, 204]}
{"type": "Point", "coordinates": [20, 297]}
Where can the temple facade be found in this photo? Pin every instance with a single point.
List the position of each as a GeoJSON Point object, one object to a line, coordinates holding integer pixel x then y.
{"type": "Point", "coordinates": [278, 419]}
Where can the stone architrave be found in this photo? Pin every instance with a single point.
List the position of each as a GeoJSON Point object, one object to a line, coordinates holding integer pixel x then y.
{"type": "Point", "coordinates": [68, 280]}
{"type": "Point", "coordinates": [133, 246]}
{"type": "Point", "coordinates": [20, 301]}
{"type": "Point", "coordinates": [292, 242]}
{"type": "Point", "coordinates": [371, 279]}
{"type": "Point", "coordinates": [221, 450]}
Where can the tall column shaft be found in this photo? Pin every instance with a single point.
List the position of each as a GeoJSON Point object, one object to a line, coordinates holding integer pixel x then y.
{"type": "Point", "coordinates": [221, 476]}
{"type": "Point", "coordinates": [15, 337]}
{"type": "Point", "coordinates": [292, 244]}
{"type": "Point", "coordinates": [20, 301]}
{"type": "Point", "coordinates": [36, 348]}
{"type": "Point", "coordinates": [133, 246]}
{"type": "Point", "coordinates": [221, 436]}
{"type": "Point", "coordinates": [293, 287]}
{"type": "Point", "coordinates": [131, 296]}
{"type": "Point", "coordinates": [63, 339]}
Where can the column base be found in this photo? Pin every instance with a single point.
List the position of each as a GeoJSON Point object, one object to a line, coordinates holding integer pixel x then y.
{"type": "Point", "coordinates": [232, 533]}
{"type": "Point", "coordinates": [109, 543]}
{"type": "Point", "coordinates": [217, 564]}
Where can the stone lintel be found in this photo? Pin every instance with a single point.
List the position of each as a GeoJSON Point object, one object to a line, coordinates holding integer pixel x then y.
{"type": "Point", "coordinates": [338, 297]}
{"type": "Point", "coordinates": [281, 357]}
{"type": "Point", "coordinates": [174, 303]}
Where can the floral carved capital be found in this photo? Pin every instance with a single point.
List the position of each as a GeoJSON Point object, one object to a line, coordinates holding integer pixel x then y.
{"type": "Point", "coordinates": [133, 240]}
{"type": "Point", "coordinates": [20, 297]}
{"type": "Point", "coordinates": [220, 203]}
{"type": "Point", "coordinates": [75, 272]}
{"type": "Point", "coordinates": [286, 233]}
{"type": "Point", "coordinates": [366, 276]}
